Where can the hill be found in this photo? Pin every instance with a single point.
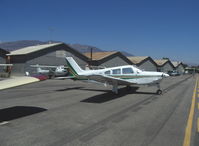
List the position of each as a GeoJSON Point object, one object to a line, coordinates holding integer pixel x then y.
{"type": "Point", "coordinates": [85, 48]}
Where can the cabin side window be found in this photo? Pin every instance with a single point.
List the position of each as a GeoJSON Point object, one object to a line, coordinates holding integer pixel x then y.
{"type": "Point", "coordinates": [107, 72]}
{"type": "Point", "coordinates": [116, 71]}
{"type": "Point", "coordinates": [127, 71]}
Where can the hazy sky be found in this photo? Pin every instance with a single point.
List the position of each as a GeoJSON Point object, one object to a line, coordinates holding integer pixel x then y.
{"type": "Point", "coordinates": [156, 28]}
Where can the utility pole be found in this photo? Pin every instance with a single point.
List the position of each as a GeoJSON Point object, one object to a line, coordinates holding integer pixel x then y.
{"type": "Point", "coordinates": [51, 30]}
{"type": "Point", "coordinates": [91, 57]}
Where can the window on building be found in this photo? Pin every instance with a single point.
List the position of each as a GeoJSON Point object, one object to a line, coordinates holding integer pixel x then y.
{"type": "Point", "coordinates": [116, 71]}
{"type": "Point", "coordinates": [127, 70]}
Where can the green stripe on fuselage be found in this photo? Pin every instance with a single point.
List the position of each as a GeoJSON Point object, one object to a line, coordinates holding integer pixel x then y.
{"type": "Point", "coordinates": [71, 70]}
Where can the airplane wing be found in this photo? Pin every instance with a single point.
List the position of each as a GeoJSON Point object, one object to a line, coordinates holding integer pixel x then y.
{"type": "Point", "coordinates": [6, 64]}
{"type": "Point", "coordinates": [48, 66]}
{"type": "Point", "coordinates": [43, 66]}
{"type": "Point", "coordinates": [109, 80]}
{"type": "Point", "coordinates": [67, 77]}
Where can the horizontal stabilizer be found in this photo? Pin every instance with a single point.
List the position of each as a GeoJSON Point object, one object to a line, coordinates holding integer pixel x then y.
{"type": "Point", "coordinates": [6, 64]}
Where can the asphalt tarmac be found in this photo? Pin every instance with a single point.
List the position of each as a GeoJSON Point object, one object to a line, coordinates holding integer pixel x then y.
{"type": "Point", "coordinates": [64, 112]}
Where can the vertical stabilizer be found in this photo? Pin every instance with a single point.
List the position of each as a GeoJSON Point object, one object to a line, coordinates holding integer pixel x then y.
{"type": "Point", "coordinates": [74, 68]}
{"type": "Point", "coordinates": [39, 70]}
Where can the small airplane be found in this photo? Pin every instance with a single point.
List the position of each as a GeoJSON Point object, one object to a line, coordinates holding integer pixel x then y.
{"type": "Point", "coordinates": [122, 75]}
{"type": "Point", "coordinates": [51, 71]}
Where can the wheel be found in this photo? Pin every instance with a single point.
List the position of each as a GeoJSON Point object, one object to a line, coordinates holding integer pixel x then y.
{"type": "Point", "coordinates": [51, 75]}
{"type": "Point", "coordinates": [159, 92]}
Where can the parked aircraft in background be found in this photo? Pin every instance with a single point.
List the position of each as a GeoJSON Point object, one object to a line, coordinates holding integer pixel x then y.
{"type": "Point", "coordinates": [127, 75]}
{"type": "Point", "coordinates": [51, 71]}
{"type": "Point", "coordinates": [173, 73]}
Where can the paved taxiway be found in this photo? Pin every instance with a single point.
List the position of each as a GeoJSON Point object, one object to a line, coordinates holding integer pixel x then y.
{"type": "Point", "coordinates": [74, 113]}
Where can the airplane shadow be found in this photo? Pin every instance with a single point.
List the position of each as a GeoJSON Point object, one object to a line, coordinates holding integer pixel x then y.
{"type": "Point", "coordinates": [66, 89]}
{"type": "Point", "coordinates": [16, 112]}
{"type": "Point", "coordinates": [97, 90]}
{"type": "Point", "coordinates": [149, 93]}
{"type": "Point", "coordinates": [122, 91]}
{"type": "Point", "coordinates": [108, 96]}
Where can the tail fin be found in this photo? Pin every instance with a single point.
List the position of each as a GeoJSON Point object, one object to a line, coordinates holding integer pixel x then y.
{"type": "Point", "coordinates": [73, 68]}
{"type": "Point", "coordinates": [39, 70]}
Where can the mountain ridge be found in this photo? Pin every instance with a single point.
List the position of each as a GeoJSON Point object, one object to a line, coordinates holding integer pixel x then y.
{"type": "Point", "coordinates": [11, 46]}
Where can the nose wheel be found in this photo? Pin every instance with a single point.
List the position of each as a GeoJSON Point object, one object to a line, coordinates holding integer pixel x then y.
{"type": "Point", "coordinates": [159, 92]}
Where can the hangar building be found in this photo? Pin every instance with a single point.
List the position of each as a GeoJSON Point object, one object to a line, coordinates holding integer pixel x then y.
{"type": "Point", "coordinates": [48, 54]}
{"type": "Point", "coordinates": [164, 65]}
{"type": "Point", "coordinates": [3, 56]}
{"type": "Point", "coordinates": [107, 59]}
{"type": "Point", "coordinates": [144, 62]}
{"type": "Point", "coordinates": [179, 66]}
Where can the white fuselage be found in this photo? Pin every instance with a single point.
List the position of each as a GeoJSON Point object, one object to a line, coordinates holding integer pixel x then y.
{"type": "Point", "coordinates": [129, 73]}
{"type": "Point", "coordinates": [122, 75]}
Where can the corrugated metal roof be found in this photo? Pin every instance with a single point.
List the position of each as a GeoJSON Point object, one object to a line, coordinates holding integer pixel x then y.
{"type": "Point", "coordinates": [99, 55]}
{"type": "Point", "coordinates": [161, 61]}
{"type": "Point", "coordinates": [31, 49]}
{"type": "Point", "coordinates": [176, 63]}
{"type": "Point", "coordinates": [137, 59]}
{"type": "Point", "coordinates": [2, 51]}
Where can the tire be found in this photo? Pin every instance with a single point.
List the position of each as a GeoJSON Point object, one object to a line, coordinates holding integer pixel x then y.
{"type": "Point", "coordinates": [159, 92]}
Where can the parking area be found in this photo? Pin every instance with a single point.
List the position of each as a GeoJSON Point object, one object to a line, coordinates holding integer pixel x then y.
{"type": "Point", "coordinates": [64, 112]}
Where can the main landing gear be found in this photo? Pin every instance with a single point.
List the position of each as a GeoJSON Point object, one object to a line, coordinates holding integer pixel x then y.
{"type": "Point", "coordinates": [115, 89]}
{"type": "Point", "coordinates": [159, 91]}
{"type": "Point", "coordinates": [131, 89]}
{"type": "Point", "coordinates": [128, 88]}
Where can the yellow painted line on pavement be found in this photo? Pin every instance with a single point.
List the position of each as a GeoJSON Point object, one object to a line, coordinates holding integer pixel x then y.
{"type": "Point", "coordinates": [187, 137]}
{"type": "Point", "coordinates": [198, 125]}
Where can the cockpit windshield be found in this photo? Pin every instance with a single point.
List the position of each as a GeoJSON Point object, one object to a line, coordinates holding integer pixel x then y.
{"type": "Point", "coordinates": [107, 72]}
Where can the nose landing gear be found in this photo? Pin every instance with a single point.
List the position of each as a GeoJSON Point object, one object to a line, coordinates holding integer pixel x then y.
{"type": "Point", "coordinates": [159, 91]}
